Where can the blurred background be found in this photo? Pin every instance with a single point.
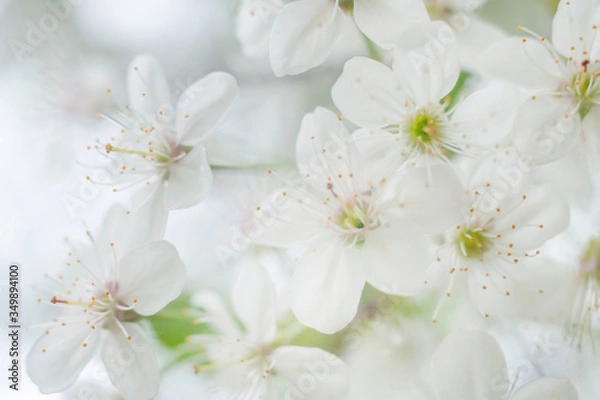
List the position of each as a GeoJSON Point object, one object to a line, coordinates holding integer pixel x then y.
{"type": "Point", "coordinates": [57, 60]}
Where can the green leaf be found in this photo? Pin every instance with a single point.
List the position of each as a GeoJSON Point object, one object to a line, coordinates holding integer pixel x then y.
{"type": "Point", "coordinates": [174, 323]}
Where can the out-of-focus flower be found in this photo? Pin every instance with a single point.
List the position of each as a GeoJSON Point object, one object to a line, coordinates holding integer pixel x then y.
{"type": "Point", "coordinates": [462, 353]}
{"type": "Point", "coordinates": [300, 34]}
{"type": "Point", "coordinates": [247, 361]}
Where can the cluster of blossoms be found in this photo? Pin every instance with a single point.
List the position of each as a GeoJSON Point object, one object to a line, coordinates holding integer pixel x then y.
{"type": "Point", "coordinates": [422, 233]}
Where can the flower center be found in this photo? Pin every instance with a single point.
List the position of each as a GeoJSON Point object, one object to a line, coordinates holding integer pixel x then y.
{"type": "Point", "coordinates": [424, 131]}
{"type": "Point", "coordinates": [590, 259]}
{"type": "Point", "coordinates": [436, 10]}
{"type": "Point", "coordinates": [584, 87]}
{"type": "Point", "coordinates": [161, 154]}
{"type": "Point", "coordinates": [149, 154]}
{"type": "Point", "coordinates": [472, 243]}
{"type": "Point", "coordinates": [351, 217]}
{"type": "Point", "coordinates": [347, 5]}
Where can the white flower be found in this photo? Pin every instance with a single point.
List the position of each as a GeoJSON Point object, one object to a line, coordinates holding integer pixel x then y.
{"type": "Point", "coordinates": [162, 147]}
{"type": "Point", "coordinates": [300, 34]}
{"type": "Point", "coordinates": [248, 363]}
{"type": "Point", "coordinates": [472, 366]}
{"type": "Point", "coordinates": [493, 246]}
{"type": "Point", "coordinates": [107, 285]}
{"type": "Point", "coordinates": [357, 229]}
{"type": "Point", "coordinates": [561, 77]}
{"type": "Point", "coordinates": [401, 108]}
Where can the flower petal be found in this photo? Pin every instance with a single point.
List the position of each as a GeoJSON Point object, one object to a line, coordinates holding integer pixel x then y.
{"type": "Point", "coordinates": [254, 301]}
{"type": "Point", "coordinates": [56, 359]}
{"type": "Point", "coordinates": [433, 198]}
{"type": "Point", "coordinates": [545, 129]}
{"type": "Point", "coordinates": [288, 216]}
{"type": "Point", "coordinates": [369, 94]}
{"type": "Point", "coordinates": [428, 67]}
{"type": "Point", "coordinates": [153, 274]}
{"type": "Point", "coordinates": [486, 116]}
{"type": "Point", "coordinates": [547, 389]}
{"type": "Point", "coordinates": [303, 34]}
{"type": "Point", "coordinates": [190, 180]}
{"type": "Point", "coordinates": [148, 87]}
{"type": "Point", "coordinates": [384, 21]}
{"type": "Point", "coordinates": [253, 25]}
{"type": "Point", "coordinates": [524, 63]}
{"type": "Point", "coordinates": [469, 366]}
{"type": "Point", "coordinates": [395, 257]}
{"type": "Point", "coordinates": [324, 148]}
{"type": "Point", "coordinates": [131, 364]}
{"type": "Point", "coordinates": [204, 105]}
{"type": "Point", "coordinates": [537, 291]}
{"type": "Point", "coordinates": [574, 20]}
{"type": "Point", "coordinates": [540, 214]}
{"type": "Point", "coordinates": [326, 287]}
{"type": "Point", "coordinates": [310, 373]}
{"type": "Point", "coordinates": [474, 38]}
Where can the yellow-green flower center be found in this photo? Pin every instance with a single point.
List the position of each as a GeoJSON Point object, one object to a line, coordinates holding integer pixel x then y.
{"type": "Point", "coordinates": [424, 131]}
{"type": "Point", "coordinates": [590, 259]}
{"type": "Point", "coordinates": [584, 87]}
{"type": "Point", "coordinates": [351, 217]}
{"type": "Point", "coordinates": [347, 5]}
{"type": "Point", "coordinates": [472, 243]}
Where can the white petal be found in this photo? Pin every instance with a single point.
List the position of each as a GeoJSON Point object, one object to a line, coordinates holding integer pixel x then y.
{"type": "Point", "coordinates": [56, 359]}
{"type": "Point", "coordinates": [369, 94]}
{"type": "Point", "coordinates": [311, 373]}
{"type": "Point", "coordinates": [486, 116]}
{"type": "Point", "coordinates": [474, 38]}
{"type": "Point", "coordinates": [324, 148]}
{"type": "Point", "coordinates": [253, 25]}
{"type": "Point", "coordinates": [303, 34]}
{"type": "Point", "coordinates": [591, 139]}
{"type": "Point", "coordinates": [547, 389]}
{"type": "Point", "coordinates": [129, 230]}
{"type": "Point", "coordinates": [574, 20]}
{"type": "Point", "coordinates": [203, 107]}
{"type": "Point", "coordinates": [148, 87]}
{"type": "Point", "coordinates": [545, 129]}
{"type": "Point", "coordinates": [190, 180]}
{"type": "Point", "coordinates": [469, 366]}
{"type": "Point", "coordinates": [384, 21]}
{"type": "Point", "coordinates": [395, 257]}
{"type": "Point", "coordinates": [433, 197]}
{"type": "Point", "coordinates": [541, 215]}
{"type": "Point", "coordinates": [131, 364]}
{"type": "Point", "coordinates": [254, 302]}
{"type": "Point", "coordinates": [527, 64]}
{"type": "Point", "coordinates": [538, 290]}
{"type": "Point", "coordinates": [154, 274]}
{"type": "Point", "coordinates": [429, 66]}
{"type": "Point", "coordinates": [326, 287]}
{"type": "Point", "coordinates": [288, 216]}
